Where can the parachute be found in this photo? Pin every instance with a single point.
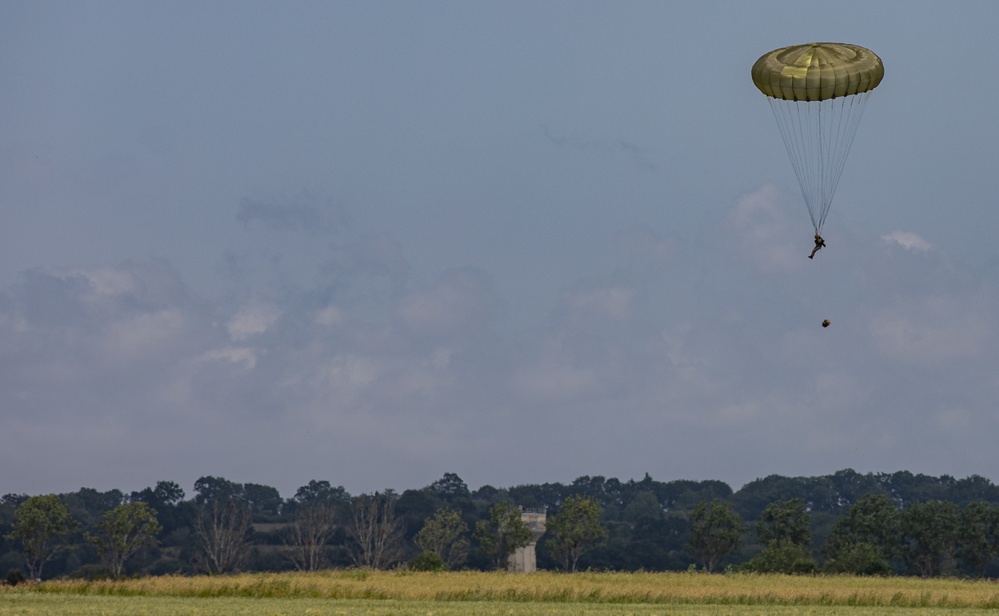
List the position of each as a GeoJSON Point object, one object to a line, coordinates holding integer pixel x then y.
{"type": "Point", "coordinates": [818, 92]}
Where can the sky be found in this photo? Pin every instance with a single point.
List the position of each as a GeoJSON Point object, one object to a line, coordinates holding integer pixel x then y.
{"type": "Point", "coordinates": [376, 242]}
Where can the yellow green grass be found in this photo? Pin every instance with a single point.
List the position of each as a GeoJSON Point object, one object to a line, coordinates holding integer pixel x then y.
{"type": "Point", "coordinates": [475, 593]}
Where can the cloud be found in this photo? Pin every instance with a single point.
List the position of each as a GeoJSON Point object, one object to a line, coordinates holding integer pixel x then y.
{"type": "Point", "coordinates": [235, 355]}
{"type": "Point", "coordinates": [369, 361]}
{"type": "Point", "coordinates": [933, 329]}
{"type": "Point", "coordinates": [762, 231]}
{"type": "Point", "coordinates": [252, 319]}
{"type": "Point", "coordinates": [144, 333]}
{"type": "Point", "coordinates": [614, 302]}
{"type": "Point", "coordinates": [460, 303]}
{"type": "Point", "coordinates": [554, 375]}
{"type": "Point", "coordinates": [302, 214]}
{"type": "Point", "coordinates": [907, 240]}
{"type": "Point", "coordinates": [330, 316]}
{"type": "Point", "coordinates": [366, 257]}
{"type": "Point", "coordinates": [631, 150]}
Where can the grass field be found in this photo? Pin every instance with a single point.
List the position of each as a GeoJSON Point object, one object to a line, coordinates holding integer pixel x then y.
{"type": "Point", "coordinates": [487, 594]}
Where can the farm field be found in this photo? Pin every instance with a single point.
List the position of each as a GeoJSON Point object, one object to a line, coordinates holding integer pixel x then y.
{"type": "Point", "coordinates": [488, 594]}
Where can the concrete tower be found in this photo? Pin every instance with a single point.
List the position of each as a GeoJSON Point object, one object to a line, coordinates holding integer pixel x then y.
{"type": "Point", "coordinates": [525, 559]}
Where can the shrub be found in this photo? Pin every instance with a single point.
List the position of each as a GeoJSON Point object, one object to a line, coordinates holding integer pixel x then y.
{"type": "Point", "coordinates": [427, 561]}
{"type": "Point", "coordinates": [860, 559]}
{"type": "Point", "coordinates": [15, 577]}
{"type": "Point", "coordinates": [783, 557]}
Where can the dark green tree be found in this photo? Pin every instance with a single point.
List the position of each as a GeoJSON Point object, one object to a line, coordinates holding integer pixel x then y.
{"type": "Point", "coordinates": [167, 500]}
{"type": "Point", "coordinates": [122, 532]}
{"type": "Point", "coordinates": [87, 505]}
{"type": "Point", "coordinates": [262, 500]}
{"type": "Point", "coordinates": [450, 488]}
{"type": "Point", "coordinates": [865, 539]}
{"type": "Point", "coordinates": [974, 488]}
{"type": "Point", "coordinates": [443, 535]}
{"type": "Point", "coordinates": [716, 531]}
{"type": "Point", "coordinates": [41, 524]}
{"type": "Point", "coordinates": [322, 491]}
{"type": "Point", "coordinates": [575, 528]}
{"type": "Point", "coordinates": [502, 534]}
{"type": "Point", "coordinates": [784, 527]}
{"type": "Point", "coordinates": [210, 489]}
{"type": "Point", "coordinates": [786, 521]}
{"type": "Point", "coordinates": [931, 533]}
{"type": "Point", "coordinates": [979, 535]}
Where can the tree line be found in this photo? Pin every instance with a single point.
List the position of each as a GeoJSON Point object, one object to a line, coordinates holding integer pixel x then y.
{"type": "Point", "coordinates": [874, 523]}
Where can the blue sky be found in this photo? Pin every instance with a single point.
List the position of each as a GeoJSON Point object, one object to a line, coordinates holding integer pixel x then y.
{"type": "Point", "coordinates": [373, 243]}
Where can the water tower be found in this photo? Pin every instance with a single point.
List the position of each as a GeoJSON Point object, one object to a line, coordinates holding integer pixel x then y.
{"type": "Point", "coordinates": [525, 559]}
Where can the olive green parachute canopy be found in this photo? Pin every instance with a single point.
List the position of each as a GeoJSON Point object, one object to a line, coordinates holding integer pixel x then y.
{"type": "Point", "coordinates": [818, 92]}
{"type": "Point", "coordinates": [817, 71]}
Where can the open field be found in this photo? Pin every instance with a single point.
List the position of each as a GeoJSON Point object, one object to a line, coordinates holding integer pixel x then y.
{"type": "Point", "coordinates": [488, 594]}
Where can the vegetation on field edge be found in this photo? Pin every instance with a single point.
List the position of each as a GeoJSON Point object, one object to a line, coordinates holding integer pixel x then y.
{"type": "Point", "coordinates": [547, 587]}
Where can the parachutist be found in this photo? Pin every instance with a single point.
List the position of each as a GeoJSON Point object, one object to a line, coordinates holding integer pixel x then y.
{"type": "Point", "coordinates": [819, 245]}
{"type": "Point", "coordinates": [825, 323]}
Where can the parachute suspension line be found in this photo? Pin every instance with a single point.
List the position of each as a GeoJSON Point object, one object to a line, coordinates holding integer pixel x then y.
{"type": "Point", "coordinates": [818, 136]}
{"type": "Point", "coordinates": [851, 110]}
{"type": "Point", "coordinates": [792, 119]}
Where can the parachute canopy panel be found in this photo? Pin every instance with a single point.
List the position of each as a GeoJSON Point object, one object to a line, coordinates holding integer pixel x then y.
{"type": "Point", "coordinates": [817, 71]}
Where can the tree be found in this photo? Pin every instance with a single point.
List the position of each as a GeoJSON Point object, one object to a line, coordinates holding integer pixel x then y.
{"type": "Point", "coordinates": [931, 532]}
{"type": "Point", "coordinates": [442, 535]}
{"type": "Point", "coordinates": [785, 529]}
{"type": "Point", "coordinates": [502, 534]}
{"type": "Point", "coordinates": [979, 535]}
{"type": "Point", "coordinates": [223, 527]}
{"type": "Point", "coordinates": [786, 520]}
{"type": "Point", "coordinates": [866, 538]}
{"type": "Point", "coordinates": [575, 529]}
{"type": "Point", "coordinates": [216, 489]}
{"type": "Point", "coordinates": [449, 488]}
{"type": "Point", "coordinates": [40, 522]}
{"type": "Point", "coordinates": [87, 505]}
{"type": "Point", "coordinates": [165, 494]}
{"type": "Point", "coordinates": [716, 531]}
{"type": "Point", "coordinates": [321, 491]}
{"type": "Point", "coordinates": [314, 526]}
{"type": "Point", "coordinates": [377, 535]}
{"type": "Point", "coordinates": [167, 500]}
{"type": "Point", "coordinates": [262, 500]}
{"type": "Point", "coordinates": [122, 532]}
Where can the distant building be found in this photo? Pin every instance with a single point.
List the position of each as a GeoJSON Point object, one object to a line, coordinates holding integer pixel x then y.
{"type": "Point", "coordinates": [525, 559]}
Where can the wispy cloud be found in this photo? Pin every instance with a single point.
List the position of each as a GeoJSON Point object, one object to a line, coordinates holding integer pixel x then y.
{"type": "Point", "coordinates": [632, 151]}
{"type": "Point", "coordinates": [302, 214]}
{"type": "Point", "coordinates": [908, 240]}
{"type": "Point", "coordinates": [763, 233]}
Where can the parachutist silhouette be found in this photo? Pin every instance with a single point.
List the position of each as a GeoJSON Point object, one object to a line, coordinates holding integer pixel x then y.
{"type": "Point", "coordinates": [819, 245]}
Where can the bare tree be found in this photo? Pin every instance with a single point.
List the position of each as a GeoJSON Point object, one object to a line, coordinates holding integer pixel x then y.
{"type": "Point", "coordinates": [308, 535]}
{"type": "Point", "coordinates": [223, 528]}
{"type": "Point", "coordinates": [377, 535]}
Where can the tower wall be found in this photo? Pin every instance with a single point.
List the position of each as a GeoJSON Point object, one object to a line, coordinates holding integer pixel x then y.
{"type": "Point", "coordinates": [525, 559]}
